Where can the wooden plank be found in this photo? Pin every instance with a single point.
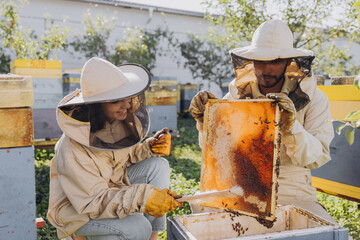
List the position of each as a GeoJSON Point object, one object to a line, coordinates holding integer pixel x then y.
{"type": "Point", "coordinates": [16, 127]}
{"type": "Point", "coordinates": [337, 189]}
{"type": "Point", "coordinates": [15, 91]}
{"type": "Point", "coordinates": [341, 92]}
{"type": "Point", "coordinates": [38, 73]}
{"type": "Point", "coordinates": [43, 64]}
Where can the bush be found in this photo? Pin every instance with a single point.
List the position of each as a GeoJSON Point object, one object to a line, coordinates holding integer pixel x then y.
{"type": "Point", "coordinates": [345, 212]}
{"type": "Point", "coordinates": [42, 180]}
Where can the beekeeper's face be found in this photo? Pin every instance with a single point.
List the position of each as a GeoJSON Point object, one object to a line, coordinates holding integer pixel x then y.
{"type": "Point", "coordinates": [269, 73]}
{"type": "Point", "coordinates": [116, 110]}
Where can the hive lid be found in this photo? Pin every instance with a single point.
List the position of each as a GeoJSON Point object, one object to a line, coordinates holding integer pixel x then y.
{"type": "Point", "coordinates": [241, 144]}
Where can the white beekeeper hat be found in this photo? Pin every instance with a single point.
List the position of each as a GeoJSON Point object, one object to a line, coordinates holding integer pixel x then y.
{"type": "Point", "coordinates": [102, 81]}
{"type": "Point", "coordinates": [272, 40]}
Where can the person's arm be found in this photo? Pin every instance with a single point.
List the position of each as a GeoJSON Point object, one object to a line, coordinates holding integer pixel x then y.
{"type": "Point", "coordinates": [158, 145]}
{"type": "Point", "coordinates": [308, 145]}
{"type": "Point", "coordinates": [89, 192]}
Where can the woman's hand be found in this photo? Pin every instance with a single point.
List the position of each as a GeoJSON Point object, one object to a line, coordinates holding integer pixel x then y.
{"type": "Point", "coordinates": [161, 202]}
{"type": "Point", "coordinates": [161, 142]}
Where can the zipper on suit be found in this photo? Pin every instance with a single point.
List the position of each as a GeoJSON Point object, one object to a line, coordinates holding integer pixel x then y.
{"type": "Point", "coordinates": [113, 155]}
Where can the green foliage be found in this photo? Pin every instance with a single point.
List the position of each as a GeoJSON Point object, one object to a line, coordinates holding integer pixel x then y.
{"type": "Point", "coordinates": [24, 42]}
{"type": "Point", "coordinates": [206, 59]}
{"type": "Point", "coordinates": [137, 46]}
{"type": "Point", "coordinates": [306, 19]}
{"type": "Point", "coordinates": [352, 120]}
{"type": "Point", "coordinates": [356, 9]}
{"type": "Point", "coordinates": [42, 180]}
{"type": "Point", "coordinates": [345, 212]}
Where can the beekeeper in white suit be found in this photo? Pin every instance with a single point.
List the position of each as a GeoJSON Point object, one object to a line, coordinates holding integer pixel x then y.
{"type": "Point", "coordinates": [270, 67]}
{"type": "Point", "coordinates": [104, 175]}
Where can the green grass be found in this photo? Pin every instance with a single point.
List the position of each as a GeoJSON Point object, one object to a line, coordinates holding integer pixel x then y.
{"type": "Point", "coordinates": [185, 162]}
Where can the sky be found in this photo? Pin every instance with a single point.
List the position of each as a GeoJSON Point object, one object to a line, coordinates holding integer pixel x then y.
{"type": "Point", "coordinates": [189, 5]}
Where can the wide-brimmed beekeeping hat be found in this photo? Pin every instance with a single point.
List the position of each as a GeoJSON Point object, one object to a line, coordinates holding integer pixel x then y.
{"type": "Point", "coordinates": [102, 81]}
{"type": "Point", "coordinates": [272, 40]}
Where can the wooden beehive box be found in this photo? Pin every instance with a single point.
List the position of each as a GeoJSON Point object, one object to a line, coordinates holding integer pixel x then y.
{"type": "Point", "coordinates": [16, 116]}
{"type": "Point", "coordinates": [16, 127]}
{"type": "Point", "coordinates": [240, 149]}
{"type": "Point", "coordinates": [291, 223]}
{"type": "Point", "coordinates": [15, 91]}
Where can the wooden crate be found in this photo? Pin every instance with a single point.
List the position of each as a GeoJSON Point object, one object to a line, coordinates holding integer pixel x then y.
{"type": "Point", "coordinates": [16, 127]}
{"type": "Point", "coordinates": [15, 91]}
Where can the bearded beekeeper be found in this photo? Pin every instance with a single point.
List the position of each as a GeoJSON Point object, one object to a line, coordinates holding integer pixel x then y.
{"type": "Point", "coordinates": [270, 67]}
{"type": "Point", "coordinates": [104, 175]}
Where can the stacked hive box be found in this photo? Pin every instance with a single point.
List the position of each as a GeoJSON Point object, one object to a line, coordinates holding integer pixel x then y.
{"type": "Point", "coordinates": [47, 83]}
{"type": "Point", "coordinates": [161, 103]}
{"type": "Point", "coordinates": [187, 92]}
{"type": "Point", "coordinates": [17, 174]}
{"type": "Point", "coordinates": [71, 80]}
{"type": "Point", "coordinates": [341, 176]}
{"type": "Point", "coordinates": [343, 99]}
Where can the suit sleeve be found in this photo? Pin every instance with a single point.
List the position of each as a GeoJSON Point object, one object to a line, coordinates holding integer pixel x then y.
{"type": "Point", "coordinates": [89, 192]}
{"type": "Point", "coordinates": [308, 144]}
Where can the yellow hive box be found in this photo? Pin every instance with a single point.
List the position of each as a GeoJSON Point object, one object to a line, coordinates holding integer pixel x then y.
{"type": "Point", "coordinates": [16, 127]}
{"type": "Point", "coordinates": [38, 72]}
{"type": "Point", "coordinates": [15, 91]}
{"type": "Point", "coordinates": [341, 92]}
{"type": "Point", "coordinates": [42, 64]}
{"type": "Point", "coordinates": [340, 109]}
{"type": "Point", "coordinates": [240, 149]}
{"type": "Point", "coordinates": [161, 97]}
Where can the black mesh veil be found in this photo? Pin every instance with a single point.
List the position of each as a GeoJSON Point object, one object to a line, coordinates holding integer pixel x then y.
{"type": "Point", "coordinates": [303, 63]}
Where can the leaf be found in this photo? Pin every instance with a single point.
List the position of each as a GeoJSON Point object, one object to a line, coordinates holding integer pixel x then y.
{"type": "Point", "coordinates": [357, 78]}
{"type": "Point", "coordinates": [356, 4]}
{"type": "Point", "coordinates": [349, 134]}
{"type": "Point", "coordinates": [353, 116]}
{"type": "Point", "coordinates": [339, 128]}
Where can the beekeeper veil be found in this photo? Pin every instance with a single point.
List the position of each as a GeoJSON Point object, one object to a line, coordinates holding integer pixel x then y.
{"type": "Point", "coordinates": [112, 104]}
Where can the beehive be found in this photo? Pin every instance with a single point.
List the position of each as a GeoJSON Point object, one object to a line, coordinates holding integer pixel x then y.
{"type": "Point", "coordinates": [343, 100]}
{"type": "Point", "coordinates": [15, 91]}
{"type": "Point", "coordinates": [241, 143]}
{"type": "Point", "coordinates": [291, 223]}
{"type": "Point", "coordinates": [48, 91]}
{"type": "Point", "coordinates": [162, 104]}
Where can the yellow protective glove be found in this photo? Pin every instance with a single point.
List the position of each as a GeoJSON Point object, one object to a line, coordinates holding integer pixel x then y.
{"type": "Point", "coordinates": [197, 105]}
{"type": "Point", "coordinates": [161, 202]}
{"type": "Point", "coordinates": [287, 111]}
{"type": "Point", "coordinates": [161, 143]}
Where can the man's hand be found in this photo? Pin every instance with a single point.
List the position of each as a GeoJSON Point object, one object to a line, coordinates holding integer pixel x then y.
{"type": "Point", "coordinates": [161, 142]}
{"type": "Point", "coordinates": [197, 105]}
{"type": "Point", "coordinates": [287, 111]}
{"type": "Point", "coordinates": [161, 202]}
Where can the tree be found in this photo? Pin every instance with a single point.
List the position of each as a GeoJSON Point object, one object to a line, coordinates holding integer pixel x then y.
{"type": "Point", "coordinates": [206, 59]}
{"type": "Point", "coordinates": [236, 21]}
{"type": "Point", "coordinates": [24, 42]}
{"type": "Point", "coordinates": [137, 46]}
